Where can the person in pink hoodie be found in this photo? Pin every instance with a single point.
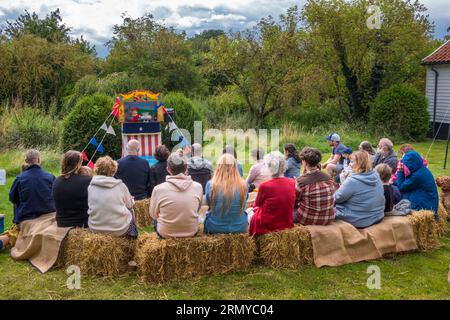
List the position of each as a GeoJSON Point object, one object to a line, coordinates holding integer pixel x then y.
{"type": "Point", "coordinates": [174, 204]}
{"type": "Point", "coordinates": [404, 148]}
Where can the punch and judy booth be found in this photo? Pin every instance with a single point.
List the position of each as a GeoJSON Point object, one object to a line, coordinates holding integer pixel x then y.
{"type": "Point", "coordinates": [141, 114]}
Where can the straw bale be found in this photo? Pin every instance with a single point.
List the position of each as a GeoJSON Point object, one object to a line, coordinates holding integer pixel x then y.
{"type": "Point", "coordinates": [442, 224]}
{"type": "Point", "coordinates": [141, 210]}
{"type": "Point", "coordinates": [425, 229]}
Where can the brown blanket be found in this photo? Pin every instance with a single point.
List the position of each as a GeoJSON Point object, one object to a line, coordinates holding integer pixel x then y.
{"type": "Point", "coordinates": [39, 241]}
{"type": "Point", "coordinates": [341, 243]}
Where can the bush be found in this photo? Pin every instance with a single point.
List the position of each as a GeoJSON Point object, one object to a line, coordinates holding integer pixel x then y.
{"type": "Point", "coordinates": [186, 113]}
{"type": "Point", "coordinates": [29, 127]}
{"type": "Point", "coordinates": [401, 110]}
{"type": "Point", "coordinates": [84, 120]}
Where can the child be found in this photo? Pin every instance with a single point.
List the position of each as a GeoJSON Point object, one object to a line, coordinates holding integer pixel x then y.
{"type": "Point", "coordinates": [404, 148]}
{"type": "Point", "coordinates": [86, 171]}
{"type": "Point", "coordinates": [347, 168]}
{"type": "Point", "coordinates": [391, 193]}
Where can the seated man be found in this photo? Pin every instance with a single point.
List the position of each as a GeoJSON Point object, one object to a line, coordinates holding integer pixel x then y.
{"type": "Point", "coordinates": [31, 192]}
{"type": "Point", "coordinates": [315, 189]}
{"type": "Point", "coordinates": [175, 204]}
{"type": "Point", "coordinates": [385, 154]}
{"type": "Point", "coordinates": [134, 172]}
{"type": "Point", "coordinates": [199, 169]}
{"type": "Point", "coordinates": [335, 164]}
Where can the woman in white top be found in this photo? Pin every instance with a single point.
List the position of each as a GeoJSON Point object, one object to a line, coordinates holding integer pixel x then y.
{"type": "Point", "coordinates": [110, 202]}
{"type": "Point", "coordinates": [258, 173]}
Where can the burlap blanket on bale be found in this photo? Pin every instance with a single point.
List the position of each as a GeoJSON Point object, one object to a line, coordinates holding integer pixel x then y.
{"type": "Point", "coordinates": [341, 243]}
{"type": "Point", "coordinates": [39, 242]}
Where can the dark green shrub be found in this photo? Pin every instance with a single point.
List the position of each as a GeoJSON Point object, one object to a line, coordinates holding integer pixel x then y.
{"type": "Point", "coordinates": [84, 120]}
{"type": "Point", "coordinates": [186, 113]}
{"type": "Point", "coordinates": [401, 110]}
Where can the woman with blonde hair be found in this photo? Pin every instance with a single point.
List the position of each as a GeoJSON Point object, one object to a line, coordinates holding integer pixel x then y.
{"type": "Point", "coordinates": [360, 200]}
{"type": "Point", "coordinates": [226, 195]}
{"type": "Point", "coordinates": [110, 202]}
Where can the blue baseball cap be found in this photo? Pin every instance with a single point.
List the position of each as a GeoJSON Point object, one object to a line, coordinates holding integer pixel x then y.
{"type": "Point", "coordinates": [333, 137]}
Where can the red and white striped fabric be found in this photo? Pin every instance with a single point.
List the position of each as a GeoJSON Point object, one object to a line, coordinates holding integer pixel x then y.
{"type": "Point", "coordinates": [149, 142]}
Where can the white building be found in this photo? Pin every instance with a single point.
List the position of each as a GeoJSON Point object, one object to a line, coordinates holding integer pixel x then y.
{"type": "Point", "coordinates": [438, 89]}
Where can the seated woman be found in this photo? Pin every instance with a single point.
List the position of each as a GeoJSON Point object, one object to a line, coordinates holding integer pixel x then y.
{"type": "Point", "coordinates": [110, 202]}
{"type": "Point", "coordinates": [293, 162]}
{"type": "Point", "coordinates": [158, 172]}
{"type": "Point", "coordinates": [274, 204]}
{"type": "Point", "coordinates": [360, 200]}
{"type": "Point", "coordinates": [226, 195]}
{"type": "Point", "coordinates": [315, 189]}
{"type": "Point", "coordinates": [70, 191]}
{"type": "Point", "coordinates": [258, 172]}
{"type": "Point", "coordinates": [419, 187]}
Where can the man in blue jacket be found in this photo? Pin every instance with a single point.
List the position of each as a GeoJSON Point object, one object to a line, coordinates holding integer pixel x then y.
{"type": "Point", "coordinates": [134, 172]}
{"type": "Point", "coordinates": [31, 192]}
{"type": "Point", "coordinates": [419, 187]}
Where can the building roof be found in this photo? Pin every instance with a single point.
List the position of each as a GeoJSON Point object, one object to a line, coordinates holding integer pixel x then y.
{"type": "Point", "coordinates": [440, 56]}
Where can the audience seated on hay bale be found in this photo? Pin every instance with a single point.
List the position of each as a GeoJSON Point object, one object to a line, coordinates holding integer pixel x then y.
{"type": "Point", "coordinates": [70, 191]}
{"type": "Point", "coordinates": [444, 184]}
{"type": "Point", "coordinates": [314, 202]}
{"type": "Point", "coordinates": [385, 154]}
{"type": "Point", "coordinates": [158, 172]}
{"type": "Point", "coordinates": [419, 187]}
{"type": "Point", "coordinates": [162, 260]}
{"type": "Point", "coordinates": [335, 163]}
{"type": "Point", "coordinates": [392, 195]}
{"type": "Point", "coordinates": [31, 195]}
{"type": "Point", "coordinates": [274, 205]}
{"type": "Point", "coordinates": [174, 204]}
{"type": "Point", "coordinates": [199, 169]}
{"type": "Point", "coordinates": [110, 202]}
{"type": "Point", "coordinates": [360, 200]}
{"type": "Point", "coordinates": [226, 196]}
{"type": "Point", "coordinates": [293, 162]}
{"type": "Point", "coordinates": [367, 147]}
{"type": "Point", "coordinates": [134, 172]}
{"type": "Point", "coordinates": [97, 254]}
{"type": "Point", "coordinates": [258, 173]}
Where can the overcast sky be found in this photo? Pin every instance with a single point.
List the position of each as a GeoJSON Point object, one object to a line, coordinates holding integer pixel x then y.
{"type": "Point", "coordinates": [94, 18]}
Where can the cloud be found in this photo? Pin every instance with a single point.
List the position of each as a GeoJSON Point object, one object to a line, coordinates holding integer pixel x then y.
{"type": "Point", "coordinates": [95, 18]}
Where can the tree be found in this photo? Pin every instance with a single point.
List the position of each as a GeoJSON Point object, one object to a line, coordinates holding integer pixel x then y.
{"type": "Point", "coordinates": [369, 60]}
{"type": "Point", "coordinates": [263, 63]}
{"type": "Point", "coordinates": [143, 47]}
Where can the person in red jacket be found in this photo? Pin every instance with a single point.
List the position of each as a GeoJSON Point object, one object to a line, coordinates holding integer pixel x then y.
{"type": "Point", "coordinates": [274, 205]}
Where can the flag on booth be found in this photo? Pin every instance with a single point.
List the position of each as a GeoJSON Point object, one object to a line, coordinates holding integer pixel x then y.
{"type": "Point", "coordinates": [100, 149]}
{"type": "Point", "coordinates": [110, 130]}
{"type": "Point", "coordinates": [104, 126]}
{"type": "Point", "coordinates": [93, 142]}
{"type": "Point", "coordinates": [85, 158]}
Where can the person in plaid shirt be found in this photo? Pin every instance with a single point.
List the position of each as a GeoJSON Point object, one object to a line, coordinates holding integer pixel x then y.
{"type": "Point", "coordinates": [314, 204]}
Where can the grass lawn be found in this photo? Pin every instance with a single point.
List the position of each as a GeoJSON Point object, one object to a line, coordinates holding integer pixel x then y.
{"type": "Point", "coordinates": [414, 276]}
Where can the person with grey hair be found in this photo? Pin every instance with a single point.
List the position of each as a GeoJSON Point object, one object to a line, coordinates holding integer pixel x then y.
{"type": "Point", "coordinates": [174, 204]}
{"type": "Point", "coordinates": [274, 205]}
{"type": "Point", "coordinates": [258, 173]}
{"type": "Point", "coordinates": [385, 154]}
{"type": "Point", "coordinates": [134, 172]}
{"type": "Point", "coordinates": [31, 192]}
{"type": "Point", "coordinates": [199, 169]}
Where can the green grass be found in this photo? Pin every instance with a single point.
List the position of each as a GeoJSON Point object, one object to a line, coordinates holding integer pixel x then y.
{"type": "Point", "coordinates": [414, 276]}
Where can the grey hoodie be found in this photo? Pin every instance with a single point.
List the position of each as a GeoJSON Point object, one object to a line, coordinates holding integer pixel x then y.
{"type": "Point", "coordinates": [109, 202]}
{"type": "Point", "coordinates": [360, 199]}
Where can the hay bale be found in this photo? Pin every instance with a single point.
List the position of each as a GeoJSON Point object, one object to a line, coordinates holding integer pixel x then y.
{"type": "Point", "coordinates": [162, 260]}
{"type": "Point", "coordinates": [97, 254]}
{"type": "Point", "coordinates": [442, 224]}
{"type": "Point", "coordinates": [425, 229]}
{"type": "Point", "coordinates": [287, 249]}
{"type": "Point", "coordinates": [141, 210]}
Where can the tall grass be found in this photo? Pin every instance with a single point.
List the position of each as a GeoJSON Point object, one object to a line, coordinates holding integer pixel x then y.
{"type": "Point", "coordinates": [28, 127]}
